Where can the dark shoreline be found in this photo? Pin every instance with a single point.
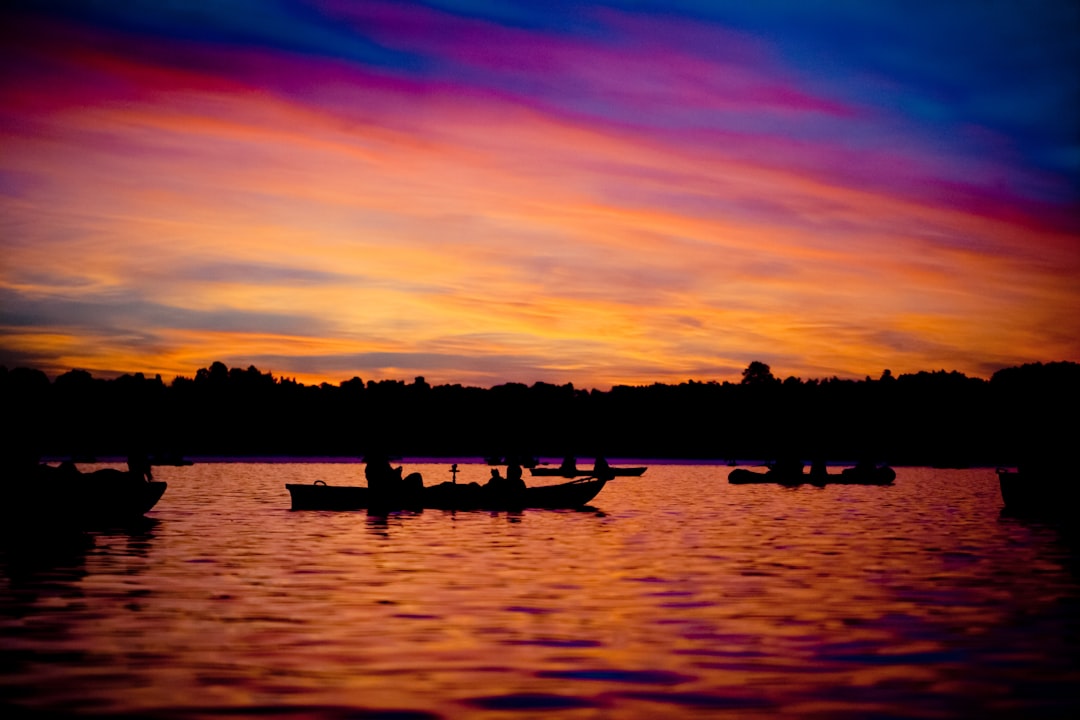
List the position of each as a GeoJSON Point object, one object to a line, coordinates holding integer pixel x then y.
{"type": "Point", "coordinates": [937, 419]}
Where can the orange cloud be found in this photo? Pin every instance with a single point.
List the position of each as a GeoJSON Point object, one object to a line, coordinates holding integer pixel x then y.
{"type": "Point", "coordinates": [244, 224]}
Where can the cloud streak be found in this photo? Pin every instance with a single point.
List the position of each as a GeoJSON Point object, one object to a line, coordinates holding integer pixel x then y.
{"type": "Point", "coordinates": [600, 195]}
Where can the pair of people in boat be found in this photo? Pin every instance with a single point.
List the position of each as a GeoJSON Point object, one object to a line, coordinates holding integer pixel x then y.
{"type": "Point", "coordinates": [600, 467]}
{"type": "Point", "coordinates": [138, 471]}
{"type": "Point", "coordinates": [383, 478]}
{"type": "Point", "coordinates": [512, 483]}
{"type": "Point", "coordinates": [138, 464]}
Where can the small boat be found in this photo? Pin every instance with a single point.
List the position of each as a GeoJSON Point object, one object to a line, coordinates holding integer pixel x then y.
{"type": "Point", "coordinates": [72, 499]}
{"type": "Point", "coordinates": [742, 476]}
{"type": "Point", "coordinates": [1043, 492]}
{"type": "Point", "coordinates": [865, 474]}
{"type": "Point", "coordinates": [785, 471]}
{"type": "Point", "coordinates": [573, 472]}
{"type": "Point", "coordinates": [792, 476]}
{"type": "Point", "coordinates": [172, 459]}
{"type": "Point", "coordinates": [99, 505]}
{"type": "Point", "coordinates": [445, 496]}
{"type": "Point", "coordinates": [320, 496]}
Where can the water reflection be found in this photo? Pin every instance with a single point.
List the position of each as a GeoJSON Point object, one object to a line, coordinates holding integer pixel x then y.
{"type": "Point", "coordinates": [48, 607]}
{"type": "Point", "coordinates": [675, 595]}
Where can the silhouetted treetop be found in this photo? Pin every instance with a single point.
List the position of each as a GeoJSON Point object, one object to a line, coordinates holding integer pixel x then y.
{"type": "Point", "coordinates": [758, 373]}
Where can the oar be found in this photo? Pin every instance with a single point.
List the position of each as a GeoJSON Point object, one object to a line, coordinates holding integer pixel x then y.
{"type": "Point", "coordinates": [588, 479]}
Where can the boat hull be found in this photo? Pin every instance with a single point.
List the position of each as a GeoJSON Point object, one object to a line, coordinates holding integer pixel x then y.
{"type": "Point", "coordinates": [1034, 494]}
{"type": "Point", "coordinates": [573, 473]}
{"type": "Point", "coordinates": [82, 502]}
{"type": "Point", "coordinates": [882, 475]}
{"type": "Point", "coordinates": [446, 496]}
{"type": "Point", "coordinates": [742, 476]}
{"type": "Point", "coordinates": [329, 497]}
{"type": "Point", "coordinates": [878, 475]}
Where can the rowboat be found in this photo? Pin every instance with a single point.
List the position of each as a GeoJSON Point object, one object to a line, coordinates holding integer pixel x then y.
{"type": "Point", "coordinates": [1044, 492]}
{"type": "Point", "coordinates": [858, 475]}
{"type": "Point", "coordinates": [865, 475]}
{"type": "Point", "coordinates": [100, 505]}
{"type": "Point", "coordinates": [444, 496]}
{"type": "Point", "coordinates": [79, 500]}
{"type": "Point", "coordinates": [742, 476]}
{"type": "Point", "coordinates": [574, 472]}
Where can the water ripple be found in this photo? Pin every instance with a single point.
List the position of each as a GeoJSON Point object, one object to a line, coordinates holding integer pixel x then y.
{"type": "Point", "coordinates": [678, 595]}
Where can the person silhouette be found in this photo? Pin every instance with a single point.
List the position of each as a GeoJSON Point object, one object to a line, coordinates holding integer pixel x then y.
{"type": "Point", "coordinates": [514, 482]}
{"type": "Point", "coordinates": [569, 466]}
{"type": "Point", "coordinates": [601, 469]}
{"type": "Point", "coordinates": [139, 467]}
{"type": "Point", "coordinates": [382, 478]}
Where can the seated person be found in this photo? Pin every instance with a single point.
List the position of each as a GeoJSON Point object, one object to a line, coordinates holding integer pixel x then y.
{"type": "Point", "coordinates": [601, 469]}
{"type": "Point", "coordinates": [504, 490]}
{"type": "Point", "coordinates": [496, 481]}
{"type": "Point", "coordinates": [139, 467]}
{"type": "Point", "coordinates": [514, 481]}
{"type": "Point", "coordinates": [381, 477]}
{"type": "Point", "coordinates": [412, 482]}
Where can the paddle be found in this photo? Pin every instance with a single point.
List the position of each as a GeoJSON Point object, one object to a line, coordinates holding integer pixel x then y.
{"type": "Point", "coordinates": [589, 478]}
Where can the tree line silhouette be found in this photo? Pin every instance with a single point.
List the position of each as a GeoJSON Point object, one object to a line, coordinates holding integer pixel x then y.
{"type": "Point", "coordinates": [935, 418]}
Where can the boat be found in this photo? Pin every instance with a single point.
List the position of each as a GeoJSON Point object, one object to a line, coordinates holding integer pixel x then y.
{"type": "Point", "coordinates": [791, 476]}
{"type": "Point", "coordinates": [742, 476]}
{"type": "Point", "coordinates": [172, 459]}
{"type": "Point", "coordinates": [1038, 491]}
{"type": "Point", "coordinates": [65, 497]}
{"type": "Point", "coordinates": [100, 505]}
{"type": "Point", "coordinates": [574, 472]}
{"type": "Point", "coordinates": [865, 474]}
{"type": "Point", "coordinates": [785, 471]}
{"type": "Point", "coordinates": [445, 496]}
{"type": "Point", "coordinates": [527, 461]}
{"type": "Point", "coordinates": [320, 496]}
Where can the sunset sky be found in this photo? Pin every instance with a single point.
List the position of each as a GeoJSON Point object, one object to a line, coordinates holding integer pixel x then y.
{"type": "Point", "coordinates": [481, 192]}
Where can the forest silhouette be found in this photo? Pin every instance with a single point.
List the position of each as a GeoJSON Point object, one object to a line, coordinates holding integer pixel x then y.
{"type": "Point", "coordinates": [926, 418]}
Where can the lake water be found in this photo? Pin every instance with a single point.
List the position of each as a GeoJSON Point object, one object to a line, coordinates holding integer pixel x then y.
{"type": "Point", "coordinates": [674, 595]}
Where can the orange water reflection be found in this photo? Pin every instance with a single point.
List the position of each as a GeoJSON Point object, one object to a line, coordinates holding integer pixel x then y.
{"type": "Point", "coordinates": [676, 595]}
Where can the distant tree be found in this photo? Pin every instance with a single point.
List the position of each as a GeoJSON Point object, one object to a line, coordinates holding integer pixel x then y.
{"type": "Point", "coordinates": [216, 374]}
{"type": "Point", "coordinates": [757, 373]}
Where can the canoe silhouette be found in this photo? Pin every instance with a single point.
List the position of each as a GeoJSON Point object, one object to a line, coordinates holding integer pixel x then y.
{"type": "Point", "coordinates": [866, 475]}
{"type": "Point", "coordinates": [87, 500]}
{"type": "Point", "coordinates": [445, 496]}
{"type": "Point", "coordinates": [574, 472]}
{"type": "Point", "coordinates": [1049, 492]}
